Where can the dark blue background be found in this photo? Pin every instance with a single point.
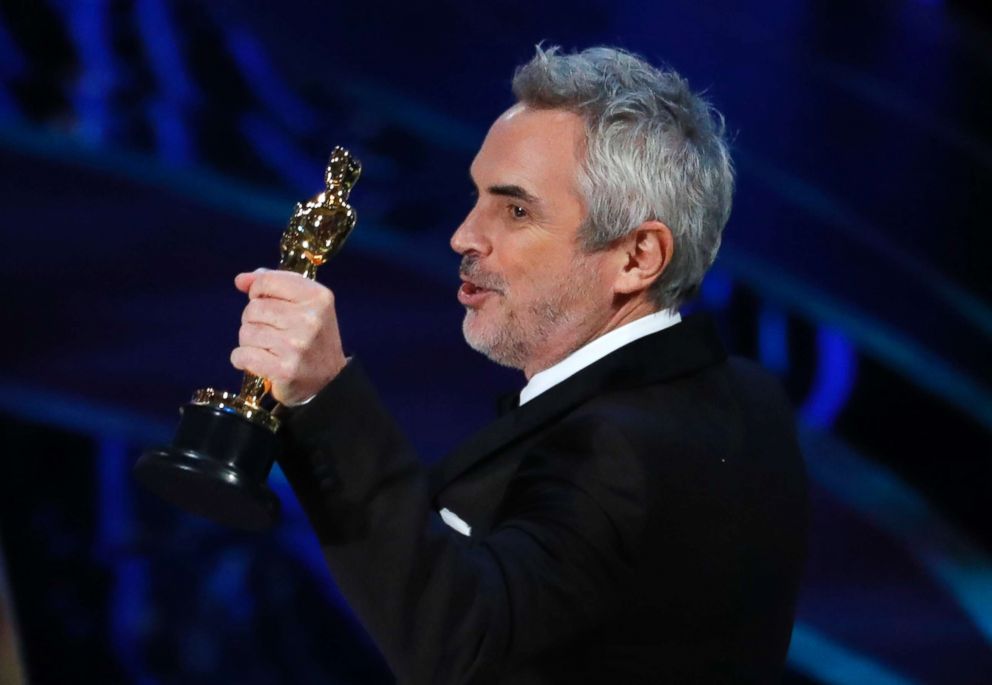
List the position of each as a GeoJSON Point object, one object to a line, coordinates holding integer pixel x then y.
{"type": "Point", "coordinates": [151, 149]}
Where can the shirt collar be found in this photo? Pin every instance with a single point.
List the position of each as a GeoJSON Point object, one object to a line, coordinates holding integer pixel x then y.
{"type": "Point", "coordinates": [597, 349]}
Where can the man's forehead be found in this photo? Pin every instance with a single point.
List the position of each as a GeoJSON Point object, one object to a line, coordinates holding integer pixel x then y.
{"type": "Point", "coordinates": [530, 138]}
{"type": "Point", "coordinates": [534, 156]}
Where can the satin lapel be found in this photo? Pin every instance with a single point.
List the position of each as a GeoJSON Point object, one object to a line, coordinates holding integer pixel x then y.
{"type": "Point", "coordinates": [686, 347]}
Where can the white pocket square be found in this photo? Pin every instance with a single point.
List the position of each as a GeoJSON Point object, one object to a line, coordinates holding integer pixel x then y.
{"type": "Point", "coordinates": [455, 521]}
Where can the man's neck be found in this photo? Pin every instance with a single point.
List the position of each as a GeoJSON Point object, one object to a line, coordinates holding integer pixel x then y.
{"type": "Point", "coordinates": [629, 311]}
{"type": "Point", "coordinates": [596, 349]}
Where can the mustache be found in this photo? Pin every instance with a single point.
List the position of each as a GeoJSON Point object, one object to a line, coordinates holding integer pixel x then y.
{"type": "Point", "coordinates": [471, 271]}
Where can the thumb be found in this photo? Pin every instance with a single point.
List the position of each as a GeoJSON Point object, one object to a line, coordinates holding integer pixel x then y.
{"type": "Point", "coordinates": [244, 280]}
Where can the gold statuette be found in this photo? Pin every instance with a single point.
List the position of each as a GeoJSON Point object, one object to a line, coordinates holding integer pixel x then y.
{"type": "Point", "coordinates": [219, 460]}
{"type": "Point", "coordinates": [316, 231]}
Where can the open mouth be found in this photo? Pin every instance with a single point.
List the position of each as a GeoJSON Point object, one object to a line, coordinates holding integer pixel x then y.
{"type": "Point", "coordinates": [471, 294]}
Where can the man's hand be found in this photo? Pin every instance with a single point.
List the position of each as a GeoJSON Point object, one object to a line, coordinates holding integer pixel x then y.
{"type": "Point", "coordinates": [289, 334]}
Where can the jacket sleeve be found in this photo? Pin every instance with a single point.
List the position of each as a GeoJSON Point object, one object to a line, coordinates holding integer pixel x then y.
{"type": "Point", "coordinates": [444, 608]}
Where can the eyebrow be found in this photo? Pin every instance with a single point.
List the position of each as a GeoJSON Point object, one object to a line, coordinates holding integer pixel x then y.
{"type": "Point", "coordinates": [513, 191]}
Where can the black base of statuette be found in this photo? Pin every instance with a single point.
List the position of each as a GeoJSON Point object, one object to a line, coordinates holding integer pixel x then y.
{"type": "Point", "coordinates": [216, 467]}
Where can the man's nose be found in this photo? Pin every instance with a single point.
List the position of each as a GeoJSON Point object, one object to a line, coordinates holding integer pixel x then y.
{"type": "Point", "coordinates": [469, 236]}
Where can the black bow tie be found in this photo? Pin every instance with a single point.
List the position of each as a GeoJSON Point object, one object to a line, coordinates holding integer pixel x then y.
{"type": "Point", "coordinates": [507, 403]}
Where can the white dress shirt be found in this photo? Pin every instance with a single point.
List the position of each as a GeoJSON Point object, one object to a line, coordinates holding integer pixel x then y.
{"type": "Point", "coordinates": [597, 349]}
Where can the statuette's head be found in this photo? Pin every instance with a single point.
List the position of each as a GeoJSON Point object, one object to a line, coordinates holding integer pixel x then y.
{"type": "Point", "coordinates": [342, 172]}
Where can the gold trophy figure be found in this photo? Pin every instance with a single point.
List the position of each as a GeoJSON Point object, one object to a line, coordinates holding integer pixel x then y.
{"type": "Point", "coordinates": [219, 461]}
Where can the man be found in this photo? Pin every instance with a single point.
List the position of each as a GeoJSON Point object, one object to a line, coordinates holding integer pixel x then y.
{"type": "Point", "coordinates": [639, 517]}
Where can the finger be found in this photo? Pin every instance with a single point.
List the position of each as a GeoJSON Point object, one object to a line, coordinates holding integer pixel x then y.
{"type": "Point", "coordinates": [256, 360]}
{"type": "Point", "coordinates": [268, 312]}
{"type": "Point", "coordinates": [244, 280]}
{"type": "Point", "coordinates": [281, 285]}
{"type": "Point", "coordinates": [266, 338]}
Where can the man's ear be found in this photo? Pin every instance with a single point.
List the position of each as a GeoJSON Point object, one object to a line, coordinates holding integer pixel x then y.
{"type": "Point", "coordinates": [644, 253]}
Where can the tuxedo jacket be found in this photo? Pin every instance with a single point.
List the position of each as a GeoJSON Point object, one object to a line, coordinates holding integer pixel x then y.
{"type": "Point", "coordinates": [641, 522]}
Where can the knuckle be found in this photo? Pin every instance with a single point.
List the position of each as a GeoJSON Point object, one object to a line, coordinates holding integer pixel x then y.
{"type": "Point", "coordinates": [311, 320]}
{"type": "Point", "coordinates": [323, 301]}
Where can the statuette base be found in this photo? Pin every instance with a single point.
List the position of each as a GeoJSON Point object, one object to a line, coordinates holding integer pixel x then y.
{"type": "Point", "coordinates": [216, 467]}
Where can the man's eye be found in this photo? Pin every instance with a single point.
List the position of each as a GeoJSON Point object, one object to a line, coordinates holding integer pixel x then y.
{"type": "Point", "coordinates": [518, 212]}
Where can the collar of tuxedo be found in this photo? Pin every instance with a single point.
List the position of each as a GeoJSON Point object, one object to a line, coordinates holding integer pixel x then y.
{"type": "Point", "coordinates": [679, 350]}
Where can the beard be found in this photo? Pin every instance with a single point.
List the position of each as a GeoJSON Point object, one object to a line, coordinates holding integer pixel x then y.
{"type": "Point", "coordinates": [513, 334]}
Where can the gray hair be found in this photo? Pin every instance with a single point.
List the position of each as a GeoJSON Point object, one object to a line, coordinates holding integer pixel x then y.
{"type": "Point", "coordinates": [654, 150]}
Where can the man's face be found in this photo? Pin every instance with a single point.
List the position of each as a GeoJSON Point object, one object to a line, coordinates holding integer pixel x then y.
{"type": "Point", "coordinates": [531, 294]}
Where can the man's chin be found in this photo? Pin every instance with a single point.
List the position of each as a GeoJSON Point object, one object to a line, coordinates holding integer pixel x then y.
{"type": "Point", "coordinates": [493, 342]}
{"type": "Point", "coordinates": [474, 331]}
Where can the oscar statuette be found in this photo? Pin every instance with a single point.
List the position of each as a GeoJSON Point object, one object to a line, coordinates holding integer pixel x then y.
{"type": "Point", "coordinates": [219, 460]}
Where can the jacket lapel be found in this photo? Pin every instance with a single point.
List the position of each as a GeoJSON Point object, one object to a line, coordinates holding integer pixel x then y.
{"type": "Point", "coordinates": [684, 348]}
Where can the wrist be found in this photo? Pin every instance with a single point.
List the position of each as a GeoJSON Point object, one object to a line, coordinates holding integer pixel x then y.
{"type": "Point", "coordinates": [307, 400]}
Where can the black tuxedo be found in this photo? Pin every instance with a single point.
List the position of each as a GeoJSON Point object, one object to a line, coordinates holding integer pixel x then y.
{"type": "Point", "coordinates": [642, 521]}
